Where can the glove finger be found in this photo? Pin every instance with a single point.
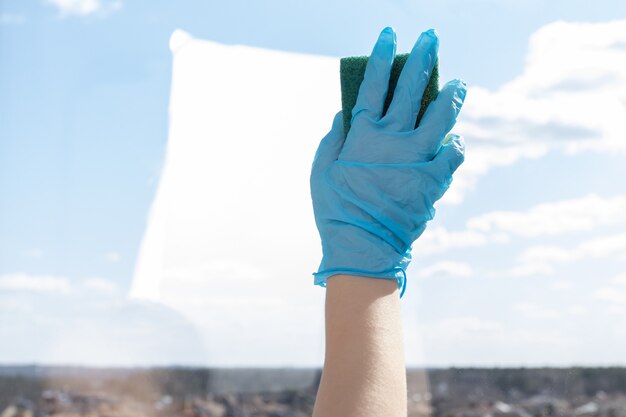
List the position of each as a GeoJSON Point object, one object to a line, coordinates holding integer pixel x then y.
{"type": "Point", "coordinates": [439, 118]}
{"type": "Point", "coordinates": [450, 157]}
{"type": "Point", "coordinates": [407, 97]}
{"type": "Point", "coordinates": [373, 89]}
{"type": "Point", "coordinates": [329, 146]}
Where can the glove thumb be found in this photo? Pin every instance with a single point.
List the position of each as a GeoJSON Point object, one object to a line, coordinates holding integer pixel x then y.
{"type": "Point", "coordinates": [330, 146]}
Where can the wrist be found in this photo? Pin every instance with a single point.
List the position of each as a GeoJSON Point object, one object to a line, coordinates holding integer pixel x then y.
{"type": "Point", "coordinates": [361, 254]}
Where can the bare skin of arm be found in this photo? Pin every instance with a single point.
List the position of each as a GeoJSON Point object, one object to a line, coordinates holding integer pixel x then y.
{"type": "Point", "coordinates": [364, 371]}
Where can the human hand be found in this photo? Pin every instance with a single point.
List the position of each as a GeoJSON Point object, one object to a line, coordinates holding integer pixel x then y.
{"type": "Point", "coordinates": [373, 190]}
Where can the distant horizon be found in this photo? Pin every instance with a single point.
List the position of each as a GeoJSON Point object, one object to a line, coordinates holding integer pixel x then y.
{"type": "Point", "coordinates": [308, 368]}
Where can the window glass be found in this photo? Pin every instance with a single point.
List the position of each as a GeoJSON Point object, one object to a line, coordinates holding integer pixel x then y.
{"type": "Point", "coordinates": [157, 237]}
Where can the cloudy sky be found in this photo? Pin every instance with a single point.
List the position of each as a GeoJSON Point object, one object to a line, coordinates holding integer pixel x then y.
{"type": "Point", "coordinates": [129, 165]}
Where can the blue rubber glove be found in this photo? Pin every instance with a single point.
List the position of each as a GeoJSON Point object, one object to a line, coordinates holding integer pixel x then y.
{"type": "Point", "coordinates": [373, 190]}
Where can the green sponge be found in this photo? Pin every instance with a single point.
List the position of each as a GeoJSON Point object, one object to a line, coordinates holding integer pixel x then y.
{"type": "Point", "coordinates": [352, 71]}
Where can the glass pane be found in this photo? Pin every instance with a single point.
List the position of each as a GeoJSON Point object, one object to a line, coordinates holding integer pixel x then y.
{"type": "Point", "coordinates": [157, 229]}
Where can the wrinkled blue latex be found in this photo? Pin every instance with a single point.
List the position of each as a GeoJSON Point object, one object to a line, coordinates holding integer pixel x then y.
{"type": "Point", "coordinates": [373, 190]}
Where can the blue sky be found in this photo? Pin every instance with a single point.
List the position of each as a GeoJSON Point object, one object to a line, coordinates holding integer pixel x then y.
{"type": "Point", "coordinates": [84, 108]}
{"type": "Point", "coordinates": [84, 121]}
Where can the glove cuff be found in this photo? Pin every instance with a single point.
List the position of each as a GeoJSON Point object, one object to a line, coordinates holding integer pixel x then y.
{"type": "Point", "coordinates": [396, 273]}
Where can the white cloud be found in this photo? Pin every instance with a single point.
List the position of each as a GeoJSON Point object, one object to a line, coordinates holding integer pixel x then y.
{"type": "Point", "coordinates": [528, 269]}
{"type": "Point", "coordinates": [562, 285]}
{"type": "Point", "coordinates": [85, 7]}
{"type": "Point", "coordinates": [619, 279]}
{"type": "Point", "coordinates": [102, 285]}
{"type": "Point", "coordinates": [596, 248]}
{"type": "Point", "coordinates": [481, 160]}
{"type": "Point", "coordinates": [459, 325]}
{"type": "Point", "coordinates": [90, 323]}
{"type": "Point", "coordinates": [55, 285]}
{"type": "Point", "coordinates": [32, 253]}
{"type": "Point", "coordinates": [616, 310]}
{"type": "Point", "coordinates": [553, 218]}
{"type": "Point", "coordinates": [535, 311]}
{"type": "Point", "coordinates": [96, 329]}
{"type": "Point", "coordinates": [577, 311]}
{"type": "Point", "coordinates": [579, 214]}
{"type": "Point", "coordinates": [610, 294]}
{"type": "Point", "coordinates": [585, 213]}
{"type": "Point", "coordinates": [473, 341]}
{"type": "Point", "coordinates": [446, 269]}
{"type": "Point", "coordinates": [112, 257]}
{"type": "Point", "coordinates": [546, 219]}
{"type": "Point", "coordinates": [39, 283]}
{"type": "Point", "coordinates": [79, 7]}
{"type": "Point", "coordinates": [548, 254]}
{"type": "Point", "coordinates": [439, 239]}
{"type": "Point", "coordinates": [570, 96]}
{"type": "Point", "coordinates": [11, 19]}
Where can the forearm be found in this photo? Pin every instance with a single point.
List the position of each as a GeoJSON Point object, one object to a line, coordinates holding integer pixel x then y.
{"type": "Point", "coordinates": [364, 369]}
